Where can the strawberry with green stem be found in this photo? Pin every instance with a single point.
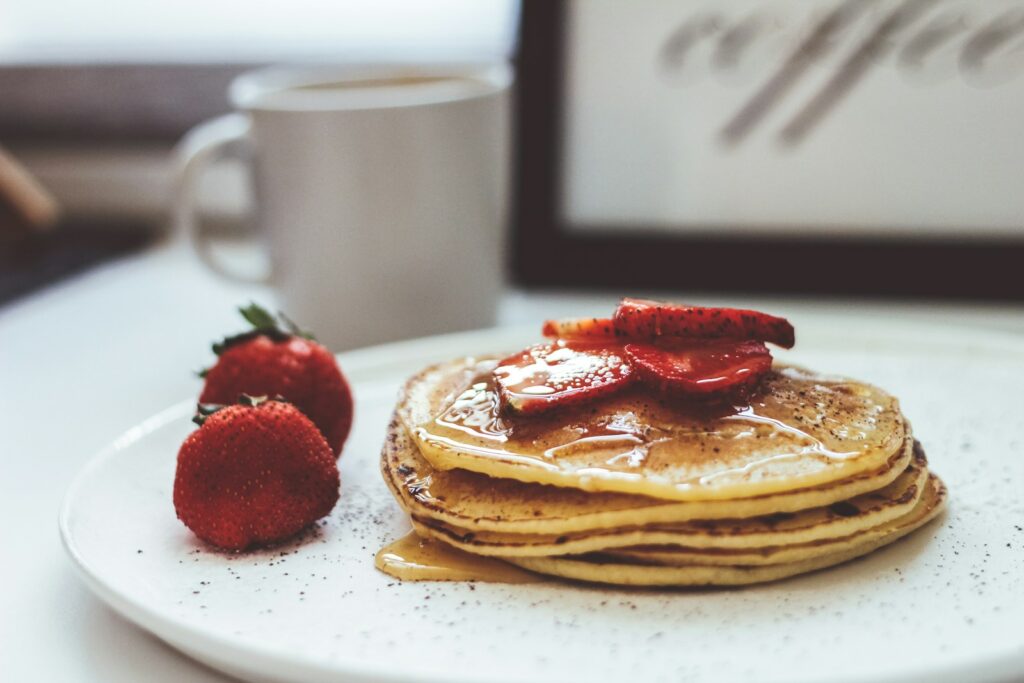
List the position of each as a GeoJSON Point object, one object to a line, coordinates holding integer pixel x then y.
{"type": "Point", "coordinates": [276, 358]}
{"type": "Point", "coordinates": [254, 473]}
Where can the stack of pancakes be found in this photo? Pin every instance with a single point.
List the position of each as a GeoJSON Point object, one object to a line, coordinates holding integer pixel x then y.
{"type": "Point", "coordinates": [634, 490]}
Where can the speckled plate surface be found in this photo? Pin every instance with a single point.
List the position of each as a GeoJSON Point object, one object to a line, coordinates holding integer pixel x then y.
{"type": "Point", "coordinates": [946, 604]}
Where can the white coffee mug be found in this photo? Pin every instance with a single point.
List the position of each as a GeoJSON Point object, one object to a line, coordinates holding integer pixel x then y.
{"type": "Point", "coordinates": [380, 192]}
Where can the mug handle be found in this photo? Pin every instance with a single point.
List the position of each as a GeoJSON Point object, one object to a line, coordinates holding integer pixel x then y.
{"type": "Point", "coordinates": [223, 137]}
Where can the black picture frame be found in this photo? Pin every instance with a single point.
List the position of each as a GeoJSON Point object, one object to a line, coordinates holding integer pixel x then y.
{"type": "Point", "coordinates": [545, 253]}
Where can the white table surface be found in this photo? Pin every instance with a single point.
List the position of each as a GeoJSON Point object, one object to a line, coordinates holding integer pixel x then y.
{"type": "Point", "coordinates": [83, 360]}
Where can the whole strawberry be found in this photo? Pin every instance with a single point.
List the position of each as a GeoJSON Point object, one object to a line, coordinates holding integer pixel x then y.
{"type": "Point", "coordinates": [253, 473]}
{"type": "Point", "coordinates": [276, 358]}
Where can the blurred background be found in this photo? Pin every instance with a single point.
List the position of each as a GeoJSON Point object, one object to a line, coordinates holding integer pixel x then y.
{"type": "Point", "coordinates": [729, 134]}
{"type": "Point", "coordinates": [456, 164]}
{"type": "Point", "coordinates": [879, 131]}
{"type": "Point", "coordinates": [96, 100]}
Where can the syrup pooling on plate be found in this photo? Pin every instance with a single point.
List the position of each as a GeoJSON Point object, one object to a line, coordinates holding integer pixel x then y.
{"type": "Point", "coordinates": [797, 423]}
{"type": "Point", "coordinates": [411, 558]}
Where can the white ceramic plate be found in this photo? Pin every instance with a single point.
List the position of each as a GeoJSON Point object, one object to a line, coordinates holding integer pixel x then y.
{"type": "Point", "coordinates": [947, 604]}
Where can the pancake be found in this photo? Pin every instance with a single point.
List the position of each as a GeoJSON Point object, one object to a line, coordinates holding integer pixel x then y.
{"type": "Point", "coordinates": [476, 502]}
{"type": "Point", "coordinates": [605, 570]}
{"type": "Point", "coordinates": [801, 430]}
{"type": "Point", "coordinates": [838, 520]}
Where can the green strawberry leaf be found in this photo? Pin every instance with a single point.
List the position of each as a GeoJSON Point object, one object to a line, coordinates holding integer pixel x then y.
{"type": "Point", "coordinates": [259, 317]}
{"type": "Point", "coordinates": [278, 328]}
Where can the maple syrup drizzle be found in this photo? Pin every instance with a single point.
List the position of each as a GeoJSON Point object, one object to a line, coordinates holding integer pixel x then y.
{"type": "Point", "coordinates": [413, 558]}
{"type": "Point", "coordinates": [629, 438]}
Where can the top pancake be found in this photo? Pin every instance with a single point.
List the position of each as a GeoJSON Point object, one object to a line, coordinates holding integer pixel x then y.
{"type": "Point", "coordinates": [800, 430]}
{"type": "Point", "coordinates": [476, 502]}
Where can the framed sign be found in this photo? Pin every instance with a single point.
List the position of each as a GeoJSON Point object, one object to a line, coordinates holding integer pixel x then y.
{"type": "Point", "coordinates": [848, 147]}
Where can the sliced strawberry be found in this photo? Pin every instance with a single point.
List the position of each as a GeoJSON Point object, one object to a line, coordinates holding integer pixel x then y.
{"type": "Point", "coordinates": [596, 329]}
{"type": "Point", "coordinates": [549, 376]}
{"type": "Point", "coordinates": [642, 319]}
{"type": "Point", "coordinates": [637, 319]}
{"type": "Point", "coordinates": [701, 368]}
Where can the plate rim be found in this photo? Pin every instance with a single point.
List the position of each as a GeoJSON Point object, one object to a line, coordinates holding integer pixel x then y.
{"type": "Point", "coordinates": [221, 652]}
